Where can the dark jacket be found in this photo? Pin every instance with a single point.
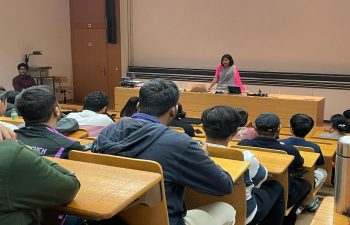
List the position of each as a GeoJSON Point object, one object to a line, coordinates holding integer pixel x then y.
{"type": "Point", "coordinates": [184, 163]}
{"type": "Point", "coordinates": [305, 143]}
{"type": "Point", "coordinates": [48, 141]}
{"type": "Point", "coordinates": [186, 126]}
{"type": "Point", "coordinates": [29, 181]}
{"type": "Point", "coordinates": [272, 143]}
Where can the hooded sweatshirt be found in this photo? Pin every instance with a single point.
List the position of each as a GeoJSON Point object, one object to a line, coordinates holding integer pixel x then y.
{"type": "Point", "coordinates": [184, 163]}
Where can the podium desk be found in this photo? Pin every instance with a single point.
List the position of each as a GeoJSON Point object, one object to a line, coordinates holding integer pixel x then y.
{"type": "Point", "coordinates": [325, 215]}
{"type": "Point", "coordinates": [285, 106]}
{"type": "Point", "coordinates": [107, 190]}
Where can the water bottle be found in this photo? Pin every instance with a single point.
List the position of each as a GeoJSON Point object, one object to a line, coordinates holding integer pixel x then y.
{"type": "Point", "coordinates": [14, 115]}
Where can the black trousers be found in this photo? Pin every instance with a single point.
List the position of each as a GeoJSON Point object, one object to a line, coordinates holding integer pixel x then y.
{"type": "Point", "coordinates": [270, 203]}
{"type": "Point", "coordinates": [298, 190]}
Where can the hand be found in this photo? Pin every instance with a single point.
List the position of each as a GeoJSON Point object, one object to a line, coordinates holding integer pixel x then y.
{"type": "Point", "coordinates": [204, 147]}
{"type": "Point", "coordinates": [7, 133]}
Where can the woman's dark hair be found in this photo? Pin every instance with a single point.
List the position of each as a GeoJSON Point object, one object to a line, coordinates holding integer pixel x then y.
{"type": "Point", "coordinates": [3, 96]}
{"type": "Point", "coordinates": [229, 57]}
{"type": "Point", "coordinates": [22, 65]}
{"type": "Point", "coordinates": [301, 124]}
{"type": "Point", "coordinates": [180, 112]}
{"type": "Point", "coordinates": [219, 122]}
{"type": "Point", "coordinates": [346, 113]}
{"type": "Point", "coordinates": [339, 122]}
{"type": "Point", "coordinates": [244, 117]}
{"type": "Point", "coordinates": [130, 107]}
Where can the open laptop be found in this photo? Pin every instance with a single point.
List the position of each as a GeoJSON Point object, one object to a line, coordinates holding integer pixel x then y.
{"type": "Point", "coordinates": [197, 88]}
{"type": "Point", "coordinates": [234, 90]}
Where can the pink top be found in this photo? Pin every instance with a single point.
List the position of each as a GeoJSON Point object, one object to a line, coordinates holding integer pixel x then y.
{"type": "Point", "coordinates": [238, 81]}
{"type": "Point", "coordinates": [245, 133]}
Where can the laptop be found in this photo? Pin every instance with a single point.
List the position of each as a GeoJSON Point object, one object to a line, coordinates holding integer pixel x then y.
{"type": "Point", "coordinates": [234, 90]}
{"type": "Point", "coordinates": [197, 88]}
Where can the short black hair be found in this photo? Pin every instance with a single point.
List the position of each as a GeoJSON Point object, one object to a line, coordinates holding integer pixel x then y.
{"type": "Point", "coordinates": [229, 57]}
{"type": "Point", "coordinates": [130, 107]}
{"type": "Point", "coordinates": [339, 122]}
{"type": "Point", "coordinates": [96, 101]}
{"type": "Point", "coordinates": [36, 104]}
{"type": "Point", "coordinates": [244, 117]}
{"type": "Point", "coordinates": [346, 113]}
{"type": "Point", "coordinates": [2, 88]}
{"type": "Point", "coordinates": [157, 96]}
{"type": "Point", "coordinates": [24, 65]}
{"type": "Point", "coordinates": [301, 124]}
{"type": "Point", "coordinates": [11, 96]}
{"type": "Point", "coordinates": [219, 122]}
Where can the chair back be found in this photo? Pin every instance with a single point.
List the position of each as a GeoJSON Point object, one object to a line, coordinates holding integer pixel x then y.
{"type": "Point", "coordinates": [304, 149]}
{"type": "Point", "coordinates": [138, 214]}
{"type": "Point", "coordinates": [259, 149]}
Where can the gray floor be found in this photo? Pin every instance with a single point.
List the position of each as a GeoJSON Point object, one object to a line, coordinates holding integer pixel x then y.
{"type": "Point", "coordinates": [306, 217]}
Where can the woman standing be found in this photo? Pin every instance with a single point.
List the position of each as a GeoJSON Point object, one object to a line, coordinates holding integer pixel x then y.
{"type": "Point", "coordinates": [226, 75]}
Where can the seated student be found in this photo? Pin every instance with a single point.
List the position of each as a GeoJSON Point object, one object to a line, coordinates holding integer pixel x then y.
{"type": "Point", "coordinates": [346, 113]}
{"type": "Point", "coordinates": [301, 125]}
{"type": "Point", "coordinates": [29, 181]}
{"type": "Point", "coordinates": [265, 200]}
{"type": "Point", "coordinates": [23, 80]}
{"type": "Point", "coordinates": [93, 117]}
{"type": "Point", "coordinates": [146, 136]}
{"type": "Point", "coordinates": [338, 127]}
{"type": "Point", "coordinates": [268, 127]}
{"type": "Point", "coordinates": [176, 122]}
{"type": "Point", "coordinates": [244, 132]}
{"type": "Point", "coordinates": [40, 111]}
{"type": "Point", "coordinates": [130, 107]}
{"type": "Point", "coordinates": [3, 104]}
{"type": "Point", "coordinates": [11, 95]}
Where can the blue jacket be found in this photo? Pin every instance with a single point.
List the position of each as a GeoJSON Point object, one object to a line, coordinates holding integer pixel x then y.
{"type": "Point", "coordinates": [184, 163]}
{"type": "Point", "coordinates": [302, 142]}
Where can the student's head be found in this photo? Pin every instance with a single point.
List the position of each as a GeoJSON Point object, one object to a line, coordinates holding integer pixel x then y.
{"type": "Point", "coordinates": [2, 88]}
{"type": "Point", "coordinates": [267, 125]}
{"type": "Point", "coordinates": [301, 125]}
{"type": "Point", "coordinates": [22, 68]}
{"type": "Point", "coordinates": [130, 107]}
{"type": "Point", "coordinates": [220, 123]}
{"type": "Point", "coordinates": [96, 101]}
{"type": "Point", "coordinates": [180, 113]}
{"type": "Point", "coordinates": [159, 97]}
{"type": "Point", "coordinates": [11, 96]}
{"type": "Point", "coordinates": [244, 117]}
{"type": "Point", "coordinates": [3, 103]}
{"type": "Point", "coordinates": [227, 60]}
{"type": "Point", "coordinates": [339, 123]}
{"type": "Point", "coordinates": [346, 113]}
{"type": "Point", "coordinates": [38, 105]}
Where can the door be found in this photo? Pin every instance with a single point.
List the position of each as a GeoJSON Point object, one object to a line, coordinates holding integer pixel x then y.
{"type": "Point", "coordinates": [88, 14]}
{"type": "Point", "coordinates": [89, 51]}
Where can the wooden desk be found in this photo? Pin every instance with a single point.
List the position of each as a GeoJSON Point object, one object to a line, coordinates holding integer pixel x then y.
{"type": "Point", "coordinates": [71, 107]}
{"type": "Point", "coordinates": [325, 215]}
{"type": "Point", "coordinates": [9, 120]}
{"type": "Point", "coordinates": [106, 190]}
{"type": "Point", "coordinates": [84, 141]}
{"type": "Point", "coordinates": [285, 106]}
{"type": "Point", "coordinates": [237, 198]}
{"type": "Point", "coordinates": [81, 133]}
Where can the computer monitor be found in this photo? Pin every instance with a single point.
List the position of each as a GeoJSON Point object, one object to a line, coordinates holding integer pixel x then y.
{"type": "Point", "coordinates": [197, 87]}
{"type": "Point", "coordinates": [234, 90]}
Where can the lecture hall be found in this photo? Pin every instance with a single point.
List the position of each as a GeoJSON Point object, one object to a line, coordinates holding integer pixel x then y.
{"type": "Point", "coordinates": [144, 112]}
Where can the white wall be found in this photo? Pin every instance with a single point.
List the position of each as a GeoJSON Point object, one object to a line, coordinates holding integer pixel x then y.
{"type": "Point", "coordinates": [270, 35]}
{"type": "Point", "coordinates": [27, 26]}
